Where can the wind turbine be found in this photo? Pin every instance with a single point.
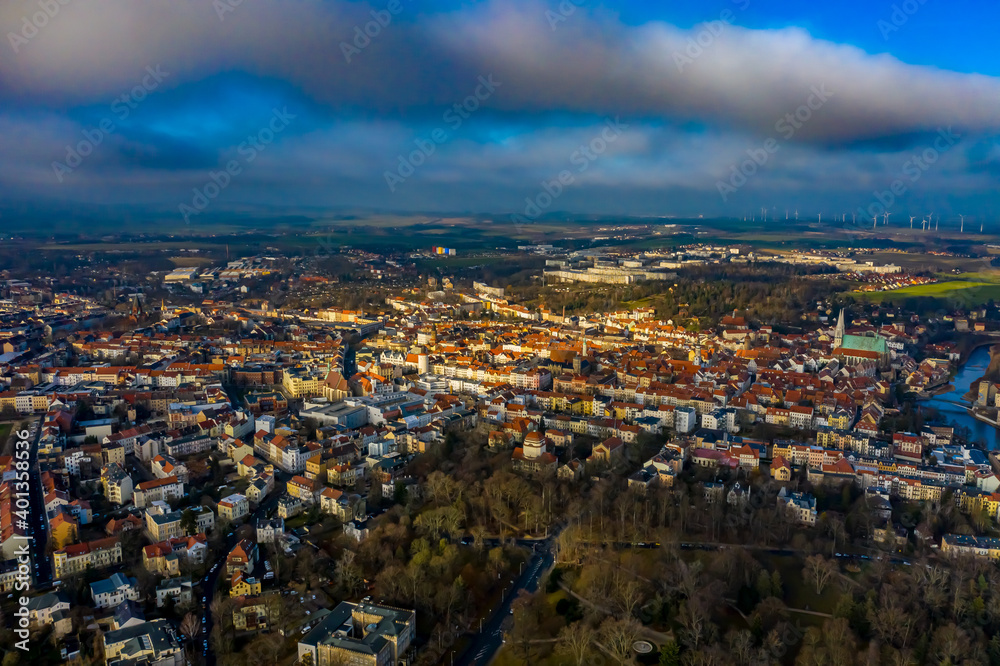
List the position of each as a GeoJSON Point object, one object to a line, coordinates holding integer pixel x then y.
{"type": "Point", "coordinates": [887, 218]}
{"type": "Point", "coordinates": [912, 217]}
{"type": "Point", "coordinates": [796, 215]}
{"type": "Point", "coordinates": [980, 227]}
{"type": "Point", "coordinates": [923, 225]}
{"type": "Point", "coordinates": [962, 229]}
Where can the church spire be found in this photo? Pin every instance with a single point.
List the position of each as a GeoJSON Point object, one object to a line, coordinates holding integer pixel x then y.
{"type": "Point", "coordinates": [838, 334]}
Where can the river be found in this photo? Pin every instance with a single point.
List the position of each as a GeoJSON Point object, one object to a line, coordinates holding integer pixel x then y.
{"type": "Point", "coordinates": [973, 369]}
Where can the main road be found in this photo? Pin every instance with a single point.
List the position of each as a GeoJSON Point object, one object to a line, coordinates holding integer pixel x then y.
{"type": "Point", "coordinates": [488, 640]}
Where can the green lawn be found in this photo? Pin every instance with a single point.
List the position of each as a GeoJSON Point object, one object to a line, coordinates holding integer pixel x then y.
{"type": "Point", "coordinates": [971, 292]}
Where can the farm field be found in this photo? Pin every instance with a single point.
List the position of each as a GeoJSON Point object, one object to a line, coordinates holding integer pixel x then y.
{"type": "Point", "coordinates": [965, 292]}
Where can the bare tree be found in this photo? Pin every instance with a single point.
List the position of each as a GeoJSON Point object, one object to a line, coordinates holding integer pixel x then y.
{"type": "Point", "coordinates": [190, 626]}
{"type": "Point", "coordinates": [741, 646]}
{"type": "Point", "coordinates": [695, 622]}
{"type": "Point", "coordinates": [819, 570]}
{"type": "Point", "coordinates": [627, 592]}
{"type": "Point", "coordinates": [575, 640]}
{"type": "Point", "coordinates": [618, 636]}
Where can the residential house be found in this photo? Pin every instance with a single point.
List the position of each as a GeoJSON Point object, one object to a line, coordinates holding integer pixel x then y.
{"type": "Point", "coordinates": [234, 507]}
{"type": "Point", "coordinates": [110, 592]}
{"type": "Point", "coordinates": [342, 505]}
{"type": "Point", "coordinates": [609, 451]}
{"type": "Point", "coordinates": [800, 506]}
{"type": "Point", "coordinates": [117, 484]}
{"type": "Point", "coordinates": [42, 608]}
{"type": "Point", "coordinates": [165, 558]}
{"type": "Point", "coordinates": [243, 557]}
{"type": "Point", "coordinates": [243, 584]}
{"type": "Point", "coordinates": [179, 589]}
{"type": "Point", "coordinates": [158, 490]}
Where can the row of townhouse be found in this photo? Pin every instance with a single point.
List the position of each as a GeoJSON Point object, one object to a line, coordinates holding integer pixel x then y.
{"type": "Point", "coordinates": [794, 417]}
{"type": "Point", "coordinates": [77, 558]}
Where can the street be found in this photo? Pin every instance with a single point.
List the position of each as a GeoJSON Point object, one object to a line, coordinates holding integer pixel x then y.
{"type": "Point", "coordinates": [38, 528]}
{"type": "Point", "coordinates": [211, 579]}
{"type": "Point", "coordinates": [488, 641]}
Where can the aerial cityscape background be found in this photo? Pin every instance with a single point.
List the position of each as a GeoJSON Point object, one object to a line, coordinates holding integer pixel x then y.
{"type": "Point", "coordinates": [507, 333]}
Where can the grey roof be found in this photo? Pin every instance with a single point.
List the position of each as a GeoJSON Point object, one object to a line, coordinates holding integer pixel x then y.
{"type": "Point", "coordinates": [128, 610]}
{"type": "Point", "coordinates": [340, 620]}
{"type": "Point", "coordinates": [47, 600]}
{"type": "Point", "coordinates": [108, 585]}
{"type": "Point", "coordinates": [156, 635]}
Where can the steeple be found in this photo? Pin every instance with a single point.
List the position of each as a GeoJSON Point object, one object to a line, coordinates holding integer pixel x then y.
{"type": "Point", "coordinates": [838, 334]}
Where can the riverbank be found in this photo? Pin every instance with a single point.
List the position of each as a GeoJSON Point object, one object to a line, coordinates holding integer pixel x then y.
{"type": "Point", "coordinates": [992, 370]}
{"type": "Point", "coordinates": [980, 341]}
{"type": "Point", "coordinates": [980, 416]}
{"type": "Point", "coordinates": [954, 405]}
{"type": "Point", "coordinates": [933, 392]}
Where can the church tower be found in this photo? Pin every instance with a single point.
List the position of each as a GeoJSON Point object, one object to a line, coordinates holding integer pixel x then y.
{"type": "Point", "coordinates": [838, 334]}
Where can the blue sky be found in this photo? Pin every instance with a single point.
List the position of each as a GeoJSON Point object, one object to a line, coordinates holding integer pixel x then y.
{"type": "Point", "coordinates": [832, 108]}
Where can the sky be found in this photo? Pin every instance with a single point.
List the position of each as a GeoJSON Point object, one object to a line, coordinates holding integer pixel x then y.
{"type": "Point", "coordinates": [518, 108]}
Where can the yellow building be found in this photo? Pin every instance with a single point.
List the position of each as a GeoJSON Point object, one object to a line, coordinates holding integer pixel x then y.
{"type": "Point", "coordinates": [234, 507]}
{"type": "Point", "coordinates": [961, 544]}
{"type": "Point", "coordinates": [781, 470]}
{"type": "Point", "coordinates": [94, 554]}
{"type": "Point", "coordinates": [64, 530]}
{"type": "Point", "coordinates": [987, 502]}
{"type": "Point", "coordinates": [316, 467]}
{"type": "Point", "coordinates": [243, 585]}
{"type": "Point", "coordinates": [113, 453]}
{"type": "Point", "coordinates": [250, 614]}
{"type": "Point", "coordinates": [300, 383]}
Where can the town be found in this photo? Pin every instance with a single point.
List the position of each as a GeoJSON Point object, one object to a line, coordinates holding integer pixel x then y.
{"type": "Point", "coordinates": [456, 472]}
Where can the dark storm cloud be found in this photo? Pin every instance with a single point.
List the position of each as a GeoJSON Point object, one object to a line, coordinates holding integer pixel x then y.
{"type": "Point", "coordinates": [741, 79]}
